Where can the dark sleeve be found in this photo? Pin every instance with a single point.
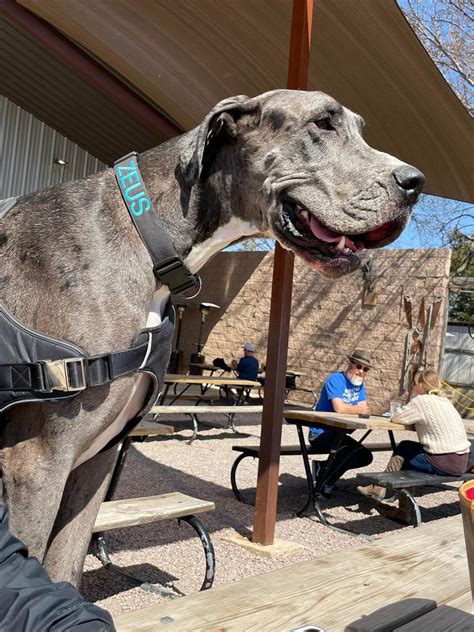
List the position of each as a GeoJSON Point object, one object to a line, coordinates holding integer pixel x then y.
{"type": "Point", "coordinates": [31, 602]}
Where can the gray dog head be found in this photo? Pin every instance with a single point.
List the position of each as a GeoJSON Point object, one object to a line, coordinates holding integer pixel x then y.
{"type": "Point", "coordinates": [295, 164]}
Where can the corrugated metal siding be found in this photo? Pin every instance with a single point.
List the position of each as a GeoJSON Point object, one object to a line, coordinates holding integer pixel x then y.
{"type": "Point", "coordinates": [458, 362]}
{"type": "Point", "coordinates": [28, 150]}
{"type": "Point", "coordinates": [458, 367]}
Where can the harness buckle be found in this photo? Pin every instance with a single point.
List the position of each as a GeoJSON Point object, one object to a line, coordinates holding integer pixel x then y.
{"type": "Point", "coordinates": [175, 275]}
{"type": "Point", "coordinates": [59, 375]}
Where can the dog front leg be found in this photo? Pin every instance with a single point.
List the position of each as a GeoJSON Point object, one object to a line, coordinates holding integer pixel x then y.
{"type": "Point", "coordinates": [33, 483]}
{"type": "Point", "coordinates": [85, 490]}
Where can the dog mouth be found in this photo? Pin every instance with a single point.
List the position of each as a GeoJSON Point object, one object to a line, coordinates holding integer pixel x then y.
{"type": "Point", "coordinates": [317, 242]}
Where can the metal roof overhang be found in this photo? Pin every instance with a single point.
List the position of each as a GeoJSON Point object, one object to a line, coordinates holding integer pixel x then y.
{"type": "Point", "coordinates": [48, 76]}
{"type": "Point", "coordinates": [186, 55]}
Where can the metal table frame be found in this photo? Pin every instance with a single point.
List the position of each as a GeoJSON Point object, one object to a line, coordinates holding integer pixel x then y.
{"type": "Point", "coordinates": [315, 487]}
{"type": "Point", "coordinates": [100, 549]}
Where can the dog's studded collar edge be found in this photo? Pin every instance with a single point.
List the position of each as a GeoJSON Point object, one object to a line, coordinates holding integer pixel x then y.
{"type": "Point", "coordinates": [168, 266]}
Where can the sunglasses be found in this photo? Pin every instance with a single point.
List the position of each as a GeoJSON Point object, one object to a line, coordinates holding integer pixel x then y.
{"type": "Point", "coordinates": [361, 366]}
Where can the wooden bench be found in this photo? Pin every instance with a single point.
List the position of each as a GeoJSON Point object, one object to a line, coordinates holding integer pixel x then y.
{"type": "Point", "coordinates": [192, 412]}
{"type": "Point", "coordinates": [286, 450]}
{"type": "Point", "coordinates": [339, 591]}
{"type": "Point", "coordinates": [191, 397]}
{"type": "Point", "coordinates": [117, 514]}
{"type": "Point", "coordinates": [401, 482]}
{"type": "Point", "coordinates": [147, 428]}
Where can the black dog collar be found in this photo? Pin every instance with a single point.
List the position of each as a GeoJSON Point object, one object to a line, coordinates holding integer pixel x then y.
{"type": "Point", "coordinates": [167, 264]}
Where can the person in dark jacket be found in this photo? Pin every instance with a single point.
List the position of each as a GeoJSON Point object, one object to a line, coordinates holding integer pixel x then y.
{"type": "Point", "coordinates": [247, 367]}
{"type": "Point", "coordinates": [31, 602]}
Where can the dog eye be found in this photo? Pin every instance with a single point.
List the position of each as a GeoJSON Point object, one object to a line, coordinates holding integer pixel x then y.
{"type": "Point", "coordinates": [325, 123]}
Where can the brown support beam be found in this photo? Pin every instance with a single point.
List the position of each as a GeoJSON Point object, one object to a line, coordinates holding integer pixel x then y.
{"type": "Point", "coordinates": [277, 350]}
{"type": "Point", "coordinates": [75, 58]}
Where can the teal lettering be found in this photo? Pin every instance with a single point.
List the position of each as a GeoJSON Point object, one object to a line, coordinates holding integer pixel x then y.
{"type": "Point", "coordinates": [137, 207]}
{"type": "Point", "coordinates": [137, 195]}
{"type": "Point", "coordinates": [130, 177]}
{"type": "Point", "coordinates": [131, 166]}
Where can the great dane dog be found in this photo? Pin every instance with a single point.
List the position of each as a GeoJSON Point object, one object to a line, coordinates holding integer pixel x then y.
{"type": "Point", "coordinates": [290, 165]}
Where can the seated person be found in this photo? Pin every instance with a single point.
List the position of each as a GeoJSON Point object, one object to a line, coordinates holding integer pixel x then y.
{"type": "Point", "coordinates": [247, 367]}
{"type": "Point", "coordinates": [442, 447]}
{"type": "Point", "coordinates": [343, 392]}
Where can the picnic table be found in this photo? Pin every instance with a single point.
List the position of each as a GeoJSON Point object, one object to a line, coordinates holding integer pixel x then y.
{"type": "Point", "coordinates": [420, 582]}
{"type": "Point", "coordinates": [205, 366]}
{"type": "Point", "coordinates": [205, 382]}
{"type": "Point", "coordinates": [342, 424]}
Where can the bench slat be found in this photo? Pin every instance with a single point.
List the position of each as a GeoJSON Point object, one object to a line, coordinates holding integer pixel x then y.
{"type": "Point", "coordinates": [444, 618]}
{"type": "Point", "coordinates": [292, 450]}
{"type": "Point", "coordinates": [192, 397]}
{"type": "Point", "coordinates": [408, 478]}
{"type": "Point", "coordinates": [192, 410]}
{"type": "Point", "coordinates": [254, 450]}
{"type": "Point", "coordinates": [116, 514]}
{"type": "Point", "coordinates": [148, 428]}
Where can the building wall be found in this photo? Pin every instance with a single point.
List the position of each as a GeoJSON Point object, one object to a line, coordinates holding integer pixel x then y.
{"type": "Point", "coordinates": [28, 149]}
{"type": "Point", "coordinates": [328, 317]}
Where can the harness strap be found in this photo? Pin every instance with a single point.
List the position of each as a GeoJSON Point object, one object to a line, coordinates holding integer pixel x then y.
{"type": "Point", "coordinates": [167, 264]}
{"type": "Point", "coordinates": [71, 374]}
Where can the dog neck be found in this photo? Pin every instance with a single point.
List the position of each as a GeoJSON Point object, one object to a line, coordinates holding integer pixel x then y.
{"type": "Point", "coordinates": [199, 255]}
{"type": "Point", "coordinates": [200, 220]}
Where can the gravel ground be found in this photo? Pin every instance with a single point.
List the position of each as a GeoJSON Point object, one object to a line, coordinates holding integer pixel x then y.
{"type": "Point", "coordinates": [166, 552]}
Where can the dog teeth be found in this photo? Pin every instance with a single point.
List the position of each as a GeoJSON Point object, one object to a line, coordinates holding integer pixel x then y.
{"type": "Point", "coordinates": [303, 213]}
{"type": "Point", "coordinates": [290, 227]}
{"type": "Point", "coordinates": [347, 251]}
{"type": "Point", "coordinates": [293, 230]}
{"type": "Point", "coordinates": [340, 244]}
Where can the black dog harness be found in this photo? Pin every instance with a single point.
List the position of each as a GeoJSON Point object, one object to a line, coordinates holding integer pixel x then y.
{"type": "Point", "coordinates": [36, 367]}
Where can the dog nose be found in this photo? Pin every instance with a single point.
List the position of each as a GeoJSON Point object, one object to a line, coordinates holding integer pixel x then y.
{"type": "Point", "coordinates": [409, 179]}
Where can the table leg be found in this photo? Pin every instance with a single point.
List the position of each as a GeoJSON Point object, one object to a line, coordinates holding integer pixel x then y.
{"type": "Point", "coordinates": [392, 440]}
{"type": "Point", "coordinates": [315, 489]}
{"type": "Point", "coordinates": [98, 539]}
{"type": "Point", "coordinates": [178, 395]}
{"type": "Point", "coordinates": [161, 398]}
{"type": "Point", "coordinates": [118, 468]}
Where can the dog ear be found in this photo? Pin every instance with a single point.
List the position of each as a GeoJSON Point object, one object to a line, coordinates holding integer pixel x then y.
{"type": "Point", "coordinates": [223, 118]}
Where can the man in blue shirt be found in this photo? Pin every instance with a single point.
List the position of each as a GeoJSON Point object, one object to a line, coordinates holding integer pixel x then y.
{"type": "Point", "coordinates": [247, 368]}
{"type": "Point", "coordinates": [343, 392]}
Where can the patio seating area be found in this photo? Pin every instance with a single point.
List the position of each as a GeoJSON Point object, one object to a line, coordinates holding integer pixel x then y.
{"type": "Point", "coordinates": [179, 320]}
{"type": "Point", "coordinates": [166, 554]}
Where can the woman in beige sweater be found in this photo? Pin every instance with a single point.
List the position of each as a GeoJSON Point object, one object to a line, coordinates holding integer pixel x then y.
{"type": "Point", "coordinates": [443, 446]}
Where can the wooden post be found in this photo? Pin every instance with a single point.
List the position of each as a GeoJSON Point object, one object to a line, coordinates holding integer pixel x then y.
{"type": "Point", "coordinates": [277, 350]}
{"type": "Point", "coordinates": [466, 498]}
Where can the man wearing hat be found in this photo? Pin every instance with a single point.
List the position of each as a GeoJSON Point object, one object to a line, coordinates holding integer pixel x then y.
{"type": "Point", "coordinates": [343, 392]}
{"type": "Point", "coordinates": [247, 368]}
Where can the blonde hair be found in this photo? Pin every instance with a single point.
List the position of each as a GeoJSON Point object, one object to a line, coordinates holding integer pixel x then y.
{"type": "Point", "coordinates": [430, 381]}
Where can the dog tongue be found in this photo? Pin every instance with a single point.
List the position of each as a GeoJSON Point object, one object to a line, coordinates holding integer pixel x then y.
{"type": "Point", "coordinates": [322, 232]}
